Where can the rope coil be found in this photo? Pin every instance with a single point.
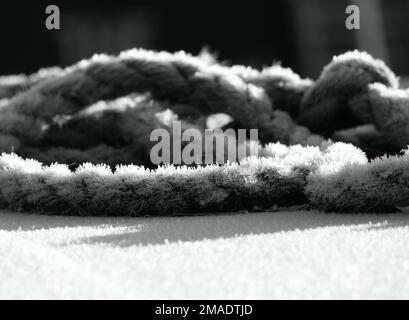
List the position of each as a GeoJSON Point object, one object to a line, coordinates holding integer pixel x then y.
{"type": "Point", "coordinates": [102, 110]}
{"type": "Point", "coordinates": [354, 90]}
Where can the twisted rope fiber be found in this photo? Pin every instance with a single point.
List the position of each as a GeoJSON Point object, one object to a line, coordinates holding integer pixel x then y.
{"type": "Point", "coordinates": [11, 85]}
{"type": "Point", "coordinates": [332, 103]}
{"type": "Point", "coordinates": [103, 109]}
{"type": "Point", "coordinates": [177, 79]}
{"type": "Point", "coordinates": [279, 179]}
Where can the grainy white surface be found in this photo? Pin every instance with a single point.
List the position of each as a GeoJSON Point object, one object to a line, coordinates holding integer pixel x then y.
{"type": "Point", "coordinates": [260, 255]}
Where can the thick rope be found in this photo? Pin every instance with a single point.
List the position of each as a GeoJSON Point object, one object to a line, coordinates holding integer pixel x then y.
{"type": "Point", "coordinates": [347, 94]}
{"type": "Point", "coordinates": [177, 79]}
{"type": "Point", "coordinates": [328, 105]}
{"type": "Point", "coordinates": [278, 178]}
{"type": "Point", "coordinates": [14, 84]}
{"type": "Point", "coordinates": [103, 110]}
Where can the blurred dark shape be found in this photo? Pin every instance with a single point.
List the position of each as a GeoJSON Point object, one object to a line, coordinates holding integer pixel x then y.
{"type": "Point", "coordinates": [301, 34]}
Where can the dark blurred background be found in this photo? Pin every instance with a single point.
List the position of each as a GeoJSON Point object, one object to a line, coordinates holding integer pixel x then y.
{"type": "Point", "coordinates": [301, 34]}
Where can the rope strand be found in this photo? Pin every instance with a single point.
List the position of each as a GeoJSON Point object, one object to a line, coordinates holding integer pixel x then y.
{"type": "Point", "coordinates": [353, 90]}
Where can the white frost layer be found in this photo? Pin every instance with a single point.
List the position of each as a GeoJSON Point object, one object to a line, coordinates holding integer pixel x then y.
{"type": "Point", "coordinates": [247, 256]}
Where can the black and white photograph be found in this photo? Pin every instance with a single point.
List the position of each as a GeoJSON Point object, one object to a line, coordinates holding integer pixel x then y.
{"type": "Point", "coordinates": [190, 151]}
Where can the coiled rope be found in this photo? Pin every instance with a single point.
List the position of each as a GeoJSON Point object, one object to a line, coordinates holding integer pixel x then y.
{"type": "Point", "coordinates": [356, 99]}
{"type": "Point", "coordinates": [102, 110]}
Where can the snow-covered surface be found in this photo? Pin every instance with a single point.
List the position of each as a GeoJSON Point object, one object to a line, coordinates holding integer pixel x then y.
{"type": "Point", "coordinates": [292, 254]}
